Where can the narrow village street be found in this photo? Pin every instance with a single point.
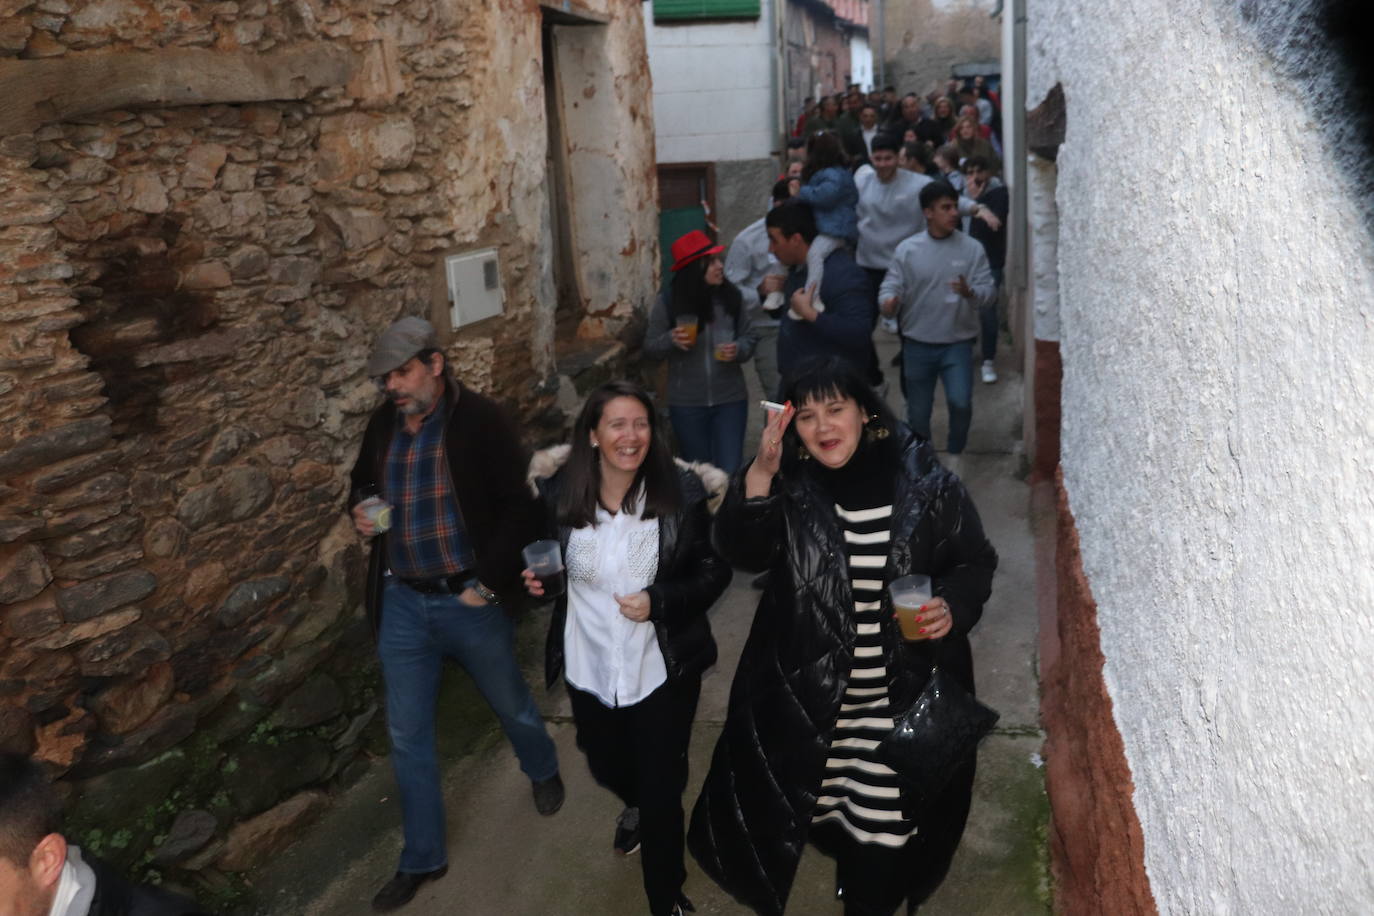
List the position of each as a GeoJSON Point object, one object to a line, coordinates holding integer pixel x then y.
{"type": "Point", "coordinates": [505, 860]}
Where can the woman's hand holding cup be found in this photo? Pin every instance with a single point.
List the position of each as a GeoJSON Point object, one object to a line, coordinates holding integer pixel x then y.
{"type": "Point", "coordinates": [532, 584]}
{"type": "Point", "coordinates": [758, 480]}
{"type": "Point", "coordinates": [932, 621]}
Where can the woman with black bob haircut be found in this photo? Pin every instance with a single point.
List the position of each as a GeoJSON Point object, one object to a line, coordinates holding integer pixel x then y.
{"type": "Point", "coordinates": [630, 633]}
{"type": "Point", "coordinates": [840, 500]}
{"type": "Point", "coordinates": [700, 325]}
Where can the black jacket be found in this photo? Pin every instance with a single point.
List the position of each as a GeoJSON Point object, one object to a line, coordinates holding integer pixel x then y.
{"type": "Point", "coordinates": [690, 577]}
{"type": "Point", "coordinates": [117, 896]}
{"type": "Point", "coordinates": [486, 463]}
{"type": "Point", "coordinates": [751, 821]}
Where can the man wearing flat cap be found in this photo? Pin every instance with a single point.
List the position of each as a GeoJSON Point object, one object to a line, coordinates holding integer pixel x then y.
{"type": "Point", "coordinates": [449, 464]}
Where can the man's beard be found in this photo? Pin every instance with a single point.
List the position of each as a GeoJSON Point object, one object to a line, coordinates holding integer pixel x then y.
{"type": "Point", "coordinates": [418, 403]}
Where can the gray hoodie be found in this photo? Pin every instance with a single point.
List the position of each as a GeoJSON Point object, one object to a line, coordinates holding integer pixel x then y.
{"type": "Point", "coordinates": [695, 377]}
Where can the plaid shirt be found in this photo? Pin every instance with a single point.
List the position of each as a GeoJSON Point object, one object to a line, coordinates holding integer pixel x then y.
{"type": "Point", "coordinates": [427, 538]}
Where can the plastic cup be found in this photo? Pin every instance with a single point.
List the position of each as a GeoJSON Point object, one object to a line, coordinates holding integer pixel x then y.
{"type": "Point", "coordinates": [909, 594]}
{"type": "Point", "coordinates": [376, 509]}
{"type": "Point", "coordinates": [688, 323]}
{"type": "Point", "coordinates": [720, 350]}
{"type": "Point", "coordinates": [545, 560]}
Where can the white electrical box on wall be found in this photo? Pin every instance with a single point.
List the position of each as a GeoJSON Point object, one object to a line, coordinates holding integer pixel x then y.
{"type": "Point", "coordinates": [474, 286]}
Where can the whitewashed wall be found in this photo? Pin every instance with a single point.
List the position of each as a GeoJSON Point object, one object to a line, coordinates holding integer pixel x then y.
{"type": "Point", "coordinates": [1218, 441]}
{"type": "Point", "coordinates": [713, 88]}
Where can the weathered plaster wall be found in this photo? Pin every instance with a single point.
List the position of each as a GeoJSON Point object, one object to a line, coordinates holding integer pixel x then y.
{"type": "Point", "coordinates": [187, 296]}
{"type": "Point", "coordinates": [714, 97]}
{"type": "Point", "coordinates": [1215, 273]}
{"type": "Point", "coordinates": [925, 38]}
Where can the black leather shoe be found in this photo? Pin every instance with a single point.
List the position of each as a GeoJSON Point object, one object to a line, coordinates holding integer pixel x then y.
{"type": "Point", "coordinates": [548, 794]}
{"type": "Point", "coordinates": [397, 892]}
{"type": "Point", "coordinates": [626, 838]}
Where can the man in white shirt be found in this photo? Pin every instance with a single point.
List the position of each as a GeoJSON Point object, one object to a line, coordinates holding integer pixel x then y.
{"type": "Point", "coordinates": [747, 262]}
{"type": "Point", "coordinates": [889, 208]}
{"type": "Point", "coordinates": [40, 875]}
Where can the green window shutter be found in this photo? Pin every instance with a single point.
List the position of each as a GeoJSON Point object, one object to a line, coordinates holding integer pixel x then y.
{"type": "Point", "coordinates": [671, 10]}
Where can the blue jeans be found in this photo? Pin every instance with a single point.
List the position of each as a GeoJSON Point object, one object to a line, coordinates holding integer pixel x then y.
{"type": "Point", "coordinates": [952, 364]}
{"type": "Point", "coordinates": [417, 633]}
{"type": "Point", "coordinates": [712, 434]}
{"type": "Point", "coordinates": [987, 318]}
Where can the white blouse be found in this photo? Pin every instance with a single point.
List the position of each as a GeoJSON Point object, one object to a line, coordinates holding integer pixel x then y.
{"type": "Point", "coordinates": [606, 653]}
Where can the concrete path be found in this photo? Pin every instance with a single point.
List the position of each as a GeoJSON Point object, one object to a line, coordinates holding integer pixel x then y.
{"type": "Point", "coordinates": [508, 861]}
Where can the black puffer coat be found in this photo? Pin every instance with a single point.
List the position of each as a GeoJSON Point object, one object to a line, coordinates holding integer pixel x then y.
{"type": "Point", "coordinates": [751, 821]}
{"type": "Point", "coordinates": [690, 577]}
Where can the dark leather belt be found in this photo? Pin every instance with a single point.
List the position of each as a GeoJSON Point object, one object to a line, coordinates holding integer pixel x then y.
{"type": "Point", "coordinates": [439, 585]}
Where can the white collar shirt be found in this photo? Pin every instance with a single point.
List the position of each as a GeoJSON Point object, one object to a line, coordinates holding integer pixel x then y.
{"type": "Point", "coordinates": [607, 654]}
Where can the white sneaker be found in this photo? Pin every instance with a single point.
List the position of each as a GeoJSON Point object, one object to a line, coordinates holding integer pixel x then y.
{"type": "Point", "coordinates": [989, 372]}
{"type": "Point", "coordinates": [889, 324]}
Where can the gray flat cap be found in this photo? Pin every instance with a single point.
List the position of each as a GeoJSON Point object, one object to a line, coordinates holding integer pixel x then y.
{"type": "Point", "coordinates": [399, 343]}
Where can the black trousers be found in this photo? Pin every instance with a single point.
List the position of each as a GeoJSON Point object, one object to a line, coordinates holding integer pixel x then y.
{"type": "Point", "coordinates": [639, 752]}
{"type": "Point", "coordinates": [876, 880]}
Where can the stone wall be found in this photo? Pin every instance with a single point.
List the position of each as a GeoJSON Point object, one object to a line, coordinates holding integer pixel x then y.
{"type": "Point", "coordinates": [187, 295]}
{"type": "Point", "coordinates": [926, 38]}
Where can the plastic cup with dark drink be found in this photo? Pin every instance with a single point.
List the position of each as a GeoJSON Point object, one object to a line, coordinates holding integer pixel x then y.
{"type": "Point", "coordinates": [909, 595]}
{"type": "Point", "coordinates": [545, 560]}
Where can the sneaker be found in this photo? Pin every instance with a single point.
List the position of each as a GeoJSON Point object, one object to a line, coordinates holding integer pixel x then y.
{"type": "Point", "coordinates": [889, 324]}
{"type": "Point", "coordinates": [627, 832]}
{"type": "Point", "coordinates": [953, 462]}
{"type": "Point", "coordinates": [397, 892]}
{"type": "Point", "coordinates": [989, 372]}
{"type": "Point", "coordinates": [548, 794]}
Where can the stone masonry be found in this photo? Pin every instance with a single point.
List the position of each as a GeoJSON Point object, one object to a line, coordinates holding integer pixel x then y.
{"type": "Point", "coordinates": [188, 289]}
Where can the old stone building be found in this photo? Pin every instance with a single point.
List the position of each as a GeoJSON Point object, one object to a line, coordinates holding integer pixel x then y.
{"type": "Point", "coordinates": [207, 211]}
{"type": "Point", "coordinates": [924, 41]}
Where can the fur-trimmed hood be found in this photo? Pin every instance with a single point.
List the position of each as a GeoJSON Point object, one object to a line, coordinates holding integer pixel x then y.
{"type": "Point", "coordinates": [546, 462]}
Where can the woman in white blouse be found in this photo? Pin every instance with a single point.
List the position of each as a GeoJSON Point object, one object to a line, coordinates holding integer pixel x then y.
{"type": "Point", "coordinates": [630, 634]}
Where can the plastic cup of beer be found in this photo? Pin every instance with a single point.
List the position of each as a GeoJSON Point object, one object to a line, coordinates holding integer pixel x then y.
{"type": "Point", "coordinates": [722, 355]}
{"type": "Point", "coordinates": [688, 325]}
{"type": "Point", "coordinates": [545, 560]}
{"type": "Point", "coordinates": [909, 595]}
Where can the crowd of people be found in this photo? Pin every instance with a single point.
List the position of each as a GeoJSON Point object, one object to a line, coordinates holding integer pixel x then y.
{"type": "Point", "coordinates": [839, 499]}
{"type": "Point", "coordinates": [889, 213]}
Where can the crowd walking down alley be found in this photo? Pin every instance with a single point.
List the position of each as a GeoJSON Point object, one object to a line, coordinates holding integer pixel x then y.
{"type": "Point", "coordinates": [508, 860]}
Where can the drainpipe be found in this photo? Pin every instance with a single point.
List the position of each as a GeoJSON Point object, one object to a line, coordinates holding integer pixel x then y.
{"type": "Point", "coordinates": [880, 19]}
{"type": "Point", "coordinates": [783, 117]}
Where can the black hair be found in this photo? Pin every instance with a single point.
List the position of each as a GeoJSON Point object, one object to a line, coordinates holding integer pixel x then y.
{"type": "Point", "coordinates": [782, 190]}
{"type": "Point", "coordinates": [824, 377]}
{"type": "Point", "coordinates": [657, 476]}
{"type": "Point", "coordinates": [889, 142]}
{"type": "Point", "coordinates": [690, 294]}
{"type": "Point", "coordinates": [975, 162]}
{"type": "Point", "coordinates": [29, 808]}
{"type": "Point", "coordinates": [793, 217]}
{"type": "Point", "coordinates": [823, 151]}
{"type": "Point", "coordinates": [920, 153]}
{"type": "Point", "coordinates": [868, 106]}
{"type": "Point", "coordinates": [937, 190]}
{"type": "Point", "coordinates": [796, 142]}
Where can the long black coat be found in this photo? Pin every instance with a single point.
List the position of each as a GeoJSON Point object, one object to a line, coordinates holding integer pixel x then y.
{"type": "Point", "coordinates": [690, 576]}
{"type": "Point", "coordinates": [751, 821]}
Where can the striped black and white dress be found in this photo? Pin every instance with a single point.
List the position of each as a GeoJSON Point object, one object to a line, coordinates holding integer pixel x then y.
{"type": "Point", "coordinates": [859, 796]}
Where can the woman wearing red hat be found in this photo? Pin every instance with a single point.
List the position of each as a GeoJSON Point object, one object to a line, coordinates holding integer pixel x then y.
{"type": "Point", "coordinates": [700, 326]}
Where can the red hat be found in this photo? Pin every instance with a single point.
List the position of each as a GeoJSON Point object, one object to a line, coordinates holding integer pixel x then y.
{"type": "Point", "coordinates": [692, 247]}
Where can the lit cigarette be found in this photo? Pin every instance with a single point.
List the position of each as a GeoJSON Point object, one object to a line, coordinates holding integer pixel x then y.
{"type": "Point", "coordinates": [772, 405]}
